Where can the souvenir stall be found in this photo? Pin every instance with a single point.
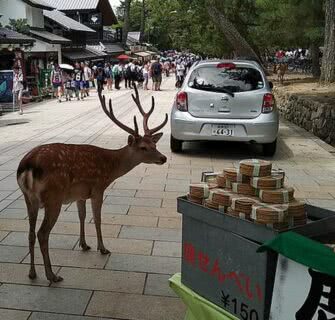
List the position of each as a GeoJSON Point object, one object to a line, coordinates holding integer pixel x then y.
{"type": "Point", "coordinates": [252, 251]}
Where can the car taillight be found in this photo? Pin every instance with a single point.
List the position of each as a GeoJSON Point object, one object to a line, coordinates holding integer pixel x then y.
{"type": "Point", "coordinates": [268, 103]}
{"type": "Point", "coordinates": [226, 65]}
{"type": "Point", "coordinates": [181, 100]}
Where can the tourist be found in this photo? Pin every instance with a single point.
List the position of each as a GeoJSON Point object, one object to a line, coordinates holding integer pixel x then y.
{"type": "Point", "coordinates": [56, 80]}
{"type": "Point", "coordinates": [146, 76]}
{"type": "Point", "coordinates": [78, 76]}
{"type": "Point", "coordinates": [117, 72]}
{"type": "Point", "coordinates": [156, 74]}
{"type": "Point", "coordinates": [17, 88]}
{"type": "Point", "coordinates": [87, 77]}
{"type": "Point", "coordinates": [108, 75]}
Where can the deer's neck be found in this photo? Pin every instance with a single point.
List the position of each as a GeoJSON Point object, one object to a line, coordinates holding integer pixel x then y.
{"type": "Point", "coordinates": [121, 161]}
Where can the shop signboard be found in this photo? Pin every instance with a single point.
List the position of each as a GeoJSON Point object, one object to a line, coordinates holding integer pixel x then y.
{"type": "Point", "coordinates": [302, 293]}
{"type": "Point", "coordinates": [6, 86]}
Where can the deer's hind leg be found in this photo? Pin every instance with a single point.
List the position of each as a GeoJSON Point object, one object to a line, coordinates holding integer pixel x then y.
{"type": "Point", "coordinates": [32, 207]}
{"type": "Point", "coordinates": [81, 205]}
{"type": "Point", "coordinates": [96, 208]}
{"type": "Point", "coordinates": [52, 210]}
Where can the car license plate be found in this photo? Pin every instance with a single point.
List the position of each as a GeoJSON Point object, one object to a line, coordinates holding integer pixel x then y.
{"type": "Point", "coordinates": [222, 130]}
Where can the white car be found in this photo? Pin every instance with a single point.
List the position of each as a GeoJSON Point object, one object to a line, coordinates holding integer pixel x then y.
{"type": "Point", "coordinates": [229, 100]}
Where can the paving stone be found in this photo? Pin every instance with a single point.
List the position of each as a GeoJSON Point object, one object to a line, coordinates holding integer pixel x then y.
{"type": "Point", "coordinates": [117, 245]}
{"type": "Point", "coordinates": [71, 258]}
{"type": "Point", "coordinates": [12, 254]}
{"type": "Point", "coordinates": [143, 202]}
{"type": "Point", "coordinates": [139, 186]}
{"type": "Point", "coordinates": [15, 195]}
{"type": "Point", "coordinates": [174, 187]}
{"type": "Point", "coordinates": [174, 223]}
{"type": "Point", "coordinates": [140, 221]}
{"type": "Point", "coordinates": [6, 314]}
{"type": "Point", "coordinates": [18, 273]}
{"type": "Point", "coordinates": [53, 316]}
{"type": "Point", "coordinates": [13, 214]}
{"type": "Point", "coordinates": [156, 212]}
{"type": "Point", "coordinates": [167, 249]}
{"type": "Point", "coordinates": [157, 194]}
{"type": "Point", "coordinates": [104, 280]}
{"type": "Point", "coordinates": [4, 204]}
{"type": "Point", "coordinates": [8, 184]}
{"type": "Point", "coordinates": [37, 298]}
{"type": "Point", "coordinates": [106, 208]}
{"type": "Point", "coordinates": [4, 194]}
{"type": "Point", "coordinates": [170, 203]}
{"type": "Point", "coordinates": [3, 234]}
{"type": "Point", "coordinates": [56, 241]}
{"type": "Point", "coordinates": [158, 285]}
{"type": "Point", "coordinates": [147, 233]}
{"type": "Point", "coordinates": [120, 193]}
{"type": "Point", "coordinates": [139, 263]}
{"type": "Point", "coordinates": [142, 307]}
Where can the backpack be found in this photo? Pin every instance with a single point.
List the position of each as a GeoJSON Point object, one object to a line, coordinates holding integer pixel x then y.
{"type": "Point", "coordinates": [56, 77]}
{"type": "Point", "coordinates": [156, 69]}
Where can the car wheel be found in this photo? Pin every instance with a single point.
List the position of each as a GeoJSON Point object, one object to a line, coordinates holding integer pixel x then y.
{"type": "Point", "coordinates": [269, 149]}
{"type": "Point", "coordinates": [175, 145]}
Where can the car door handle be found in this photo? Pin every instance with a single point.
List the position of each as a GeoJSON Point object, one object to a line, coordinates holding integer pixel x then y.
{"type": "Point", "coordinates": [224, 99]}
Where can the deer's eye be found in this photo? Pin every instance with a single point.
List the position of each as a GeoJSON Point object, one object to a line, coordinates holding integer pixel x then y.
{"type": "Point", "coordinates": [143, 148]}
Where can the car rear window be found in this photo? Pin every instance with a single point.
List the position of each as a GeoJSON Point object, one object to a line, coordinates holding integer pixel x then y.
{"type": "Point", "coordinates": [229, 80]}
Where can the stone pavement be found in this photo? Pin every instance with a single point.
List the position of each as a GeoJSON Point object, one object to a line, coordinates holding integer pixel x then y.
{"type": "Point", "coordinates": [140, 224]}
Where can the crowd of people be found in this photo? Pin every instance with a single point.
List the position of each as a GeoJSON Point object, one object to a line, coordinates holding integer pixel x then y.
{"type": "Point", "coordinates": [75, 81]}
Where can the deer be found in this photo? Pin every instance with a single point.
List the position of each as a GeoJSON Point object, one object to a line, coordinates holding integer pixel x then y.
{"type": "Point", "coordinates": [51, 175]}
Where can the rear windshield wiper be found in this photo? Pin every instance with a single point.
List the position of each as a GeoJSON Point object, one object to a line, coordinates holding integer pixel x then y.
{"type": "Point", "coordinates": [212, 88]}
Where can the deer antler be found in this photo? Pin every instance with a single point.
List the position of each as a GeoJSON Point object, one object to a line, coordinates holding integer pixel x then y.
{"type": "Point", "coordinates": [146, 116]}
{"type": "Point", "coordinates": [111, 115]}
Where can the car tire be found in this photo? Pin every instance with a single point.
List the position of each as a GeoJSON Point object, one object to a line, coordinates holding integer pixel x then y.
{"type": "Point", "coordinates": [269, 149]}
{"type": "Point", "coordinates": [175, 145]}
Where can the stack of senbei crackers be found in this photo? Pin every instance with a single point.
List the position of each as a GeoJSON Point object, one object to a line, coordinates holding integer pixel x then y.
{"type": "Point", "coordinates": [253, 191]}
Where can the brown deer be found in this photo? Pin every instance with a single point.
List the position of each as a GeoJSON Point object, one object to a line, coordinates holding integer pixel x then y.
{"type": "Point", "coordinates": [54, 174]}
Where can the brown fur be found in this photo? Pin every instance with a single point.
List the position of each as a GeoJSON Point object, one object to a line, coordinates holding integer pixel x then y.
{"type": "Point", "coordinates": [55, 174]}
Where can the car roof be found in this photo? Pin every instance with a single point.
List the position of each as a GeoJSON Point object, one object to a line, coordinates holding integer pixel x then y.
{"type": "Point", "coordinates": [236, 61]}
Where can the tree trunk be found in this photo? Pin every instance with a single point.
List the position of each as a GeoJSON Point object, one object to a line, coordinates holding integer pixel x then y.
{"type": "Point", "coordinates": [315, 60]}
{"type": "Point", "coordinates": [240, 45]}
{"type": "Point", "coordinates": [125, 27]}
{"type": "Point", "coordinates": [142, 28]}
{"type": "Point", "coordinates": [328, 59]}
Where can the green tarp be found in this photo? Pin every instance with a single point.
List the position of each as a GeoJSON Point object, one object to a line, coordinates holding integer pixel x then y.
{"type": "Point", "coordinates": [304, 251]}
{"type": "Point", "coordinates": [198, 308]}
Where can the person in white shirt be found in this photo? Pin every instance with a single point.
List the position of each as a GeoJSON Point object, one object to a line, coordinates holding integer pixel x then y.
{"type": "Point", "coordinates": [87, 77]}
{"type": "Point", "coordinates": [180, 72]}
{"type": "Point", "coordinates": [17, 88]}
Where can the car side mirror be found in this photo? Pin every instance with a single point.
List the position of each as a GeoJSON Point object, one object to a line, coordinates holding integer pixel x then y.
{"type": "Point", "coordinates": [271, 84]}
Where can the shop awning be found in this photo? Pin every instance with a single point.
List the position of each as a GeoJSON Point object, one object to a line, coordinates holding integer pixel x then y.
{"type": "Point", "coordinates": [113, 48]}
{"type": "Point", "coordinates": [40, 4]}
{"type": "Point", "coordinates": [142, 54]}
{"type": "Point", "coordinates": [83, 54]}
{"type": "Point", "coordinates": [8, 36]}
{"type": "Point", "coordinates": [50, 37]}
{"type": "Point", "coordinates": [66, 22]}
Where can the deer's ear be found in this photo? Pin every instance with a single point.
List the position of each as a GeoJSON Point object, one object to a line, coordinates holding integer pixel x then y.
{"type": "Point", "coordinates": [155, 138]}
{"type": "Point", "coordinates": [131, 140]}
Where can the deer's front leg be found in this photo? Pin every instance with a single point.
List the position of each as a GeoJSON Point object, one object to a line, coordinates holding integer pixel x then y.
{"type": "Point", "coordinates": [96, 208]}
{"type": "Point", "coordinates": [81, 205]}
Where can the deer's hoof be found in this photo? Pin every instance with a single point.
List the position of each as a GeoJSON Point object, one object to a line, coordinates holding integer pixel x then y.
{"type": "Point", "coordinates": [104, 251]}
{"type": "Point", "coordinates": [85, 247]}
{"type": "Point", "coordinates": [32, 274]}
{"type": "Point", "coordinates": [55, 278]}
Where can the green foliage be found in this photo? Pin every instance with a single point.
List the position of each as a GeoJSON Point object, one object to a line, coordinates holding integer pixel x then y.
{"type": "Point", "coordinates": [19, 25]}
{"type": "Point", "coordinates": [265, 24]}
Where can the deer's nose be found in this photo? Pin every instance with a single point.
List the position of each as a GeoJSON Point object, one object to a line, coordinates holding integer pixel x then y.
{"type": "Point", "coordinates": [163, 159]}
